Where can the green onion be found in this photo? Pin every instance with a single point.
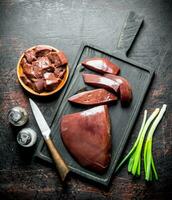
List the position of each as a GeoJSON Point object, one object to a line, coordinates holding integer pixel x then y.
{"type": "Point", "coordinates": [135, 144]}
{"type": "Point", "coordinates": [134, 155]}
{"type": "Point", "coordinates": [149, 166]}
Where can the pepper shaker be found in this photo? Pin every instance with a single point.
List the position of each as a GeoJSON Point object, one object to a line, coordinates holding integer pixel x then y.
{"type": "Point", "coordinates": [27, 137]}
{"type": "Point", "coordinates": [17, 116]}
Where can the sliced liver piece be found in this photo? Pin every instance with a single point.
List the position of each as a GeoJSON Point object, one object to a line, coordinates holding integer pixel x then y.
{"type": "Point", "coordinates": [42, 62]}
{"type": "Point", "coordinates": [87, 136]}
{"type": "Point", "coordinates": [51, 82]}
{"type": "Point", "coordinates": [101, 81]}
{"type": "Point", "coordinates": [38, 72]}
{"type": "Point", "coordinates": [49, 75]}
{"type": "Point", "coordinates": [125, 89]}
{"type": "Point", "coordinates": [57, 58]}
{"type": "Point", "coordinates": [62, 58]}
{"type": "Point", "coordinates": [28, 70]}
{"type": "Point", "coordinates": [54, 58]}
{"type": "Point", "coordinates": [23, 61]}
{"type": "Point", "coordinates": [26, 81]}
{"type": "Point", "coordinates": [101, 65]}
{"type": "Point", "coordinates": [93, 97]}
{"type": "Point", "coordinates": [30, 56]}
{"type": "Point", "coordinates": [32, 71]}
{"type": "Point", "coordinates": [41, 51]}
{"type": "Point", "coordinates": [38, 85]}
{"type": "Point", "coordinates": [60, 72]}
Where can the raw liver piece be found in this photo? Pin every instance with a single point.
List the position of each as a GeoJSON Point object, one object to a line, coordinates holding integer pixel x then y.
{"type": "Point", "coordinates": [26, 81]}
{"type": "Point", "coordinates": [87, 136]}
{"type": "Point", "coordinates": [101, 81]}
{"type": "Point", "coordinates": [32, 71]}
{"type": "Point", "coordinates": [101, 65]}
{"type": "Point", "coordinates": [53, 57]}
{"type": "Point", "coordinates": [42, 62]}
{"type": "Point", "coordinates": [125, 89]}
{"type": "Point", "coordinates": [30, 56]}
{"type": "Point", "coordinates": [93, 97]}
{"type": "Point", "coordinates": [23, 61]}
{"type": "Point", "coordinates": [41, 51]}
{"type": "Point", "coordinates": [60, 72]}
{"type": "Point", "coordinates": [62, 58]}
{"type": "Point", "coordinates": [51, 81]}
{"type": "Point", "coordinates": [57, 58]}
{"type": "Point", "coordinates": [38, 85]}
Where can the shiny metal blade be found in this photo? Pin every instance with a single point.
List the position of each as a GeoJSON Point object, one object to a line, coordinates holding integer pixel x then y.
{"type": "Point", "coordinates": [45, 130]}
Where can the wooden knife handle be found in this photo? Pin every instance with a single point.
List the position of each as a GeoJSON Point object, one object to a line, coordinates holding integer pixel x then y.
{"type": "Point", "coordinates": [58, 160]}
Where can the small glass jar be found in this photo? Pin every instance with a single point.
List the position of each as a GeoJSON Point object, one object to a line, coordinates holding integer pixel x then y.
{"type": "Point", "coordinates": [27, 137]}
{"type": "Point", "coordinates": [17, 116]}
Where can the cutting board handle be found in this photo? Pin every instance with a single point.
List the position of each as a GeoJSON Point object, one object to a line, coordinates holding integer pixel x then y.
{"type": "Point", "coordinates": [129, 32]}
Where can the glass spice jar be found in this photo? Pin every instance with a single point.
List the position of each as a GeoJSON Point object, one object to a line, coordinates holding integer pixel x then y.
{"type": "Point", "coordinates": [17, 116]}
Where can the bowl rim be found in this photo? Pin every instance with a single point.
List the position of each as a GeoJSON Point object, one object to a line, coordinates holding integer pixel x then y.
{"type": "Point", "coordinates": [30, 90]}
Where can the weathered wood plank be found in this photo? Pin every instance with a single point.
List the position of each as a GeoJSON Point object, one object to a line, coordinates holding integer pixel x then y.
{"type": "Point", "coordinates": [64, 24]}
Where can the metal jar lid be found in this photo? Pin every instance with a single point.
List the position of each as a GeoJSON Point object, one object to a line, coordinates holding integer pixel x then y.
{"type": "Point", "coordinates": [27, 137]}
{"type": "Point", "coordinates": [17, 116]}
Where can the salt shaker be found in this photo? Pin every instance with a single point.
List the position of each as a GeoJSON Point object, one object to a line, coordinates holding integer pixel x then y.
{"type": "Point", "coordinates": [27, 137]}
{"type": "Point", "coordinates": [17, 116]}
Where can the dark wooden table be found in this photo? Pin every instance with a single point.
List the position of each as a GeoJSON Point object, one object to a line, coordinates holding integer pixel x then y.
{"type": "Point", "coordinates": [65, 24]}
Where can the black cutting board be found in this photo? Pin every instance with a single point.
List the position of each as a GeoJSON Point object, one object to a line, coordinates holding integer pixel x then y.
{"type": "Point", "coordinates": [122, 118]}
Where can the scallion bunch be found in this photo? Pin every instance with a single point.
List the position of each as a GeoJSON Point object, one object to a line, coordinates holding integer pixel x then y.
{"type": "Point", "coordinates": [134, 156]}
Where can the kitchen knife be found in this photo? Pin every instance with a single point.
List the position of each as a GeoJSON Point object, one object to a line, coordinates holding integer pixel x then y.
{"type": "Point", "coordinates": [45, 130]}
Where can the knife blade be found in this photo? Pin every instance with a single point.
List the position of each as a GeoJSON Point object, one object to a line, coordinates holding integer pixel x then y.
{"type": "Point", "coordinates": [43, 126]}
{"type": "Point", "coordinates": [45, 130]}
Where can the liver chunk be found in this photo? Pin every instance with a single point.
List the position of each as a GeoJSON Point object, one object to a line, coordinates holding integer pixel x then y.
{"type": "Point", "coordinates": [101, 82]}
{"type": "Point", "coordinates": [87, 136]}
{"type": "Point", "coordinates": [93, 97]}
{"type": "Point", "coordinates": [43, 68]}
{"type": "Point", "coordinates": [101, 65]}
{"type": "Point", "coordinates": [125, 89]}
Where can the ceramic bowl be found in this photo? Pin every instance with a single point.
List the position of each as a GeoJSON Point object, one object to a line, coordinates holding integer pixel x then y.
{"type": "Point", "coordinates": [30, 90]}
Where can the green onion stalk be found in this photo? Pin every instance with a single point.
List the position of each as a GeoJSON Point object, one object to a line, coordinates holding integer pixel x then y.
{"type": "Point", "coordinates": [149, 166]}
{"type": "Point", "coordinates": [134, 155]}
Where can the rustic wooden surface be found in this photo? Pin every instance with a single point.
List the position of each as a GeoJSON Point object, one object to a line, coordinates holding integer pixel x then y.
{"type": "Point", "coordinates": [64, 24]}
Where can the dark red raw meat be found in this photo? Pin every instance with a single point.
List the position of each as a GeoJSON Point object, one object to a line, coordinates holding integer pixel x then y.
{"type": "Point", "coordinates": [54, 58]}
{"type": "Point", "coordinates": [42, 62]}
{"type": "Point", "coordinates": [43, 68]}
{"type": "Point", "coordinates": [87, 136]}
{"type": "Point", "coordinates": [57, 58]}
{"type": "Point", "coordinates": [93, 97]}
{"type": "Point", "coordinates": [30, 56]}
{"type": "Point", "coordinates": [32, 71]}
{"type": "Point", "coordinates": [26, 81]}
{"type": "Point", "coordinates": [38, 85]}
{"type": "Point", "coordinates": [101, 81]}
{"type": "Point", "coordinates": [23, 61]}
{"type": "Point", "coordinates": [41, 51]}
{"type": "Point", "coordinates": [125, 89]}
{"type": "Point", "coordinates": [101, 65]}
{"type": "Point", "coordinates": [60, 72]}
{"type": "Point", "coordinates": [62, 58]}
{"type": "Point", "coordinates": [51, 81]}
